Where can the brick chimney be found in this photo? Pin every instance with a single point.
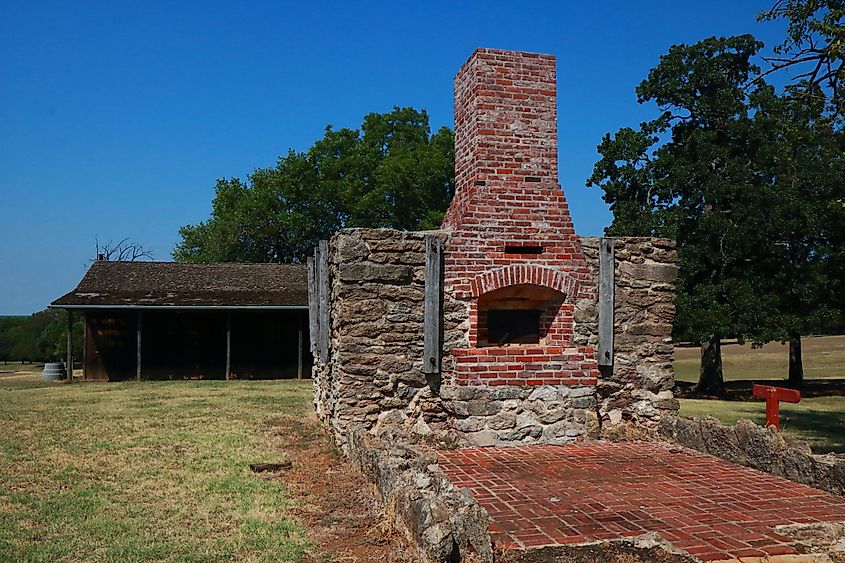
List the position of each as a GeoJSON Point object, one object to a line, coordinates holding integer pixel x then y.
{"type": "Point", "coordinates": [513, 256]}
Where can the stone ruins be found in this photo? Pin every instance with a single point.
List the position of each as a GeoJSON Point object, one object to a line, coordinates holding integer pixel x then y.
{"type": "Point", "coordinates": [503, 327]}
{"type": "Point", "coordinates": [481, 375]}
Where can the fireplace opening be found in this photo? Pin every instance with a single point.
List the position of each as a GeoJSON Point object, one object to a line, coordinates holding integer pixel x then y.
{"type": "Point", "coordinates": [513, 326]}
{"type": "Point", "coordinates": [517, 314]}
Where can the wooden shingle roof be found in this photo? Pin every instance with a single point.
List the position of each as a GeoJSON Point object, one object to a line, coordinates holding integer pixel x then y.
{"type": "Point", "coordinates": [180, 285]}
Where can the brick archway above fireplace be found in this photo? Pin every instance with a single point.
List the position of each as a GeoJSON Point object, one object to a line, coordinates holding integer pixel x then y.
{"type": "Point", "coordinates": [525, 274]}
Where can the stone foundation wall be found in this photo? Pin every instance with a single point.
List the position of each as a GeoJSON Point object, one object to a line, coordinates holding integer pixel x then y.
{"type": "Point", "coordinates": [374, 377]}
{"type": "Point", "coordinates": [436, 520]}
{"type": "Point", "coordinates": [511, 415]}
{"type": "Point", "coordinates": [759, 448]}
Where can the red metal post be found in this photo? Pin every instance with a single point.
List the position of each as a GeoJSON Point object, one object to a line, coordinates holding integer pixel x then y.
{"type": "Point", "coordinates": [773, 396]}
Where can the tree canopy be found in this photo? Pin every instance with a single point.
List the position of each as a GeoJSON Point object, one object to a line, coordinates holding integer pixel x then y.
{"type": "Point", "coordinates": [746, 180]}
{"type": "Point", "coordinates": [393, 172]}
{"type": "Point", "coordinates": [41, 336]}
{"type": "Point", "coordinates": [814, 48]}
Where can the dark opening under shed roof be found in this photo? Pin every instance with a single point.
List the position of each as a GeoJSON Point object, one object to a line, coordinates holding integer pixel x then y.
{"type": "Point", "coordinates": [179, 285]}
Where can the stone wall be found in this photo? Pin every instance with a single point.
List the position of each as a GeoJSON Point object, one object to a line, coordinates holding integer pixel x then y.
{"type": "Point", "coordinates": [759, 448]}
{"type": "Point", "coordinates": [639, 388]}
{"type": "Point", "coordinates": [436, 520]}
{"type": "Point", "coordinates": [374, 374]}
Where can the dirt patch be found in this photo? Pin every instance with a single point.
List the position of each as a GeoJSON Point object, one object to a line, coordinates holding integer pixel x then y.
{"type": "Point", "coordinates": [340, 507]}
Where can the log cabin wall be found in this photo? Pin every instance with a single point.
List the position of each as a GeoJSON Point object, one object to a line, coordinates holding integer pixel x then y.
{"type": "Point", "coordinates": [110, 349]}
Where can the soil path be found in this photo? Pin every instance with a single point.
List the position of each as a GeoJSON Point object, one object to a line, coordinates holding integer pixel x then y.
{"type": "Point", "coordinates": [332, 497]}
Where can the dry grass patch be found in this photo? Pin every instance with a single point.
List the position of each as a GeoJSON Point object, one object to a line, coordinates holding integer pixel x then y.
{"type": "Point", "coordinates": [141, 471]}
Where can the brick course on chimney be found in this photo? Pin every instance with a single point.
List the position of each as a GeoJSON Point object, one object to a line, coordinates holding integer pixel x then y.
{"type": "Point", "coordinates": [510, 226]}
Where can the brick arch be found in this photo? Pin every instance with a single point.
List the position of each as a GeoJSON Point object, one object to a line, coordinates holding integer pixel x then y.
{"type": "Point", "coordinates": [520, 274]}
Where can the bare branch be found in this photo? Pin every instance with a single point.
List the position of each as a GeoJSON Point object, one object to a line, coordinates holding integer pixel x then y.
{"type": "Point", "coordinates": [125, 250]}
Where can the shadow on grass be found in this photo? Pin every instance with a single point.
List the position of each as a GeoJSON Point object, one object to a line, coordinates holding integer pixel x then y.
{"type": "Point", "coordinates": [740, 390]}
{"type": "Point", "coordinates": [825, 431]}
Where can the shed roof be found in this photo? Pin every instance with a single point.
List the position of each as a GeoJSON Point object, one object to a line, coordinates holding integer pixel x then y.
{"type": "Point", "coordinates": [180, 285]}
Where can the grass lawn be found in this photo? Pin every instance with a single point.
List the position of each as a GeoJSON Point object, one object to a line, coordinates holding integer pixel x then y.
{"type": "Point", "coordinates": [20, 367]}
{"type": "Point", "coordinates": [139, 471]}
{"type": "Point", "coordinates": [824, 358]}
{"type": "Point", "coordinates": [818, 421]}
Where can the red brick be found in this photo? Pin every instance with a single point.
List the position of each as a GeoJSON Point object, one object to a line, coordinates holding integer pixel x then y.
{"type": "Point", "coordinates": [607, 491]}
{"type": "Point", "coordinates": [507, 192]}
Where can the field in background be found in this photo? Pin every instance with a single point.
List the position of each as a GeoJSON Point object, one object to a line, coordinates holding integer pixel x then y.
{"type": "Point", "coordinates": [137, 471]}
{"type": "Point", "coordinates": [824, 358]}
{"type": "Point", "coordinates": [20, 367]}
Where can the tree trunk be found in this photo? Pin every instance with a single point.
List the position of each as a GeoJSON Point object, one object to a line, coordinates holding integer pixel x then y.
{"type": "Point", "coordinates": [711, 381]}
{"type": "Point", "coordinates": [796, 364]}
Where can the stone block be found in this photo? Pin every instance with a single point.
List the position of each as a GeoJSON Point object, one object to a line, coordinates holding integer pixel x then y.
{"type": "Point", "coordinates": [368, 272]}
{"type": "Point", "coordinates": [543, 393]}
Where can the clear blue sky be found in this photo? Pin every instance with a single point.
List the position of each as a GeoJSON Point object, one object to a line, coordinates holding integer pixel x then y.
{"type": "Point", "coordinates": [116, 118]}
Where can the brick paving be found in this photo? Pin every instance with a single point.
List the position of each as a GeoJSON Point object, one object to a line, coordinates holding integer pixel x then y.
{"type": "Point", "coordinates": [713, 509]}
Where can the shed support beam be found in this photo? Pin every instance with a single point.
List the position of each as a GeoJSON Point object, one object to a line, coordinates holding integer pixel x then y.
{"type": "Point", "coordinates": [228, 345]}
{"type": "Point", "coordinates": [299, 351]}
{"type": "Point", "coordinates": [139, 330]}
{"type": "Point", "coordinates": [607, 286]}
{"type": "Point", "coordinates": [70, 346]}
{"type": "Point", "coordinates": [84, 346]}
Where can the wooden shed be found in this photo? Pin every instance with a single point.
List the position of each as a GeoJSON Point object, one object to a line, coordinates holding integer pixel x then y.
{"type": "Point", "coordinates": [168, 320]}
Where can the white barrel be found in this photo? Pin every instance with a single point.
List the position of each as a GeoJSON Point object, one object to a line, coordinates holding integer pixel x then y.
{"type": "Point", "coordinates": [54, 371]}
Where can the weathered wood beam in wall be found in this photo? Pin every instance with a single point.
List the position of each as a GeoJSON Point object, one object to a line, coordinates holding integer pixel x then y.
{"type": "Point", "coordinates": [433, 297]}
{"type": "Point", "coordinates": [323, 285]}
{"type": "Point", "coordinates": [313, 302]}
{"type": "Point", "coordinates": [607, 263]}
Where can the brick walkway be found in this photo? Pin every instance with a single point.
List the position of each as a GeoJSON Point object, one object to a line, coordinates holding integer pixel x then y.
{"type": "Point", "coordinates": [550, 495]}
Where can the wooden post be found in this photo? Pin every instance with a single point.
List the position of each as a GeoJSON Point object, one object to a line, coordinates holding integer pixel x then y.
{"type": "Point", "coordinates": [228, 344]}
{"type": "Point", "coordinates": [299, 351]}
{"type": "Point", "coordinates": [431, 311]}
{"type": "Point", "coordinates": [313, 302]}
{"type": "Point", "coordinates": [324, 314]}
{"type": "Point", "coordinates": [84, 346]}
{"type": "Point", "coordinates": [69, 346]}
{"type": "Point", "coordinates": [138, 338]}
{"type": "Point", "coordinates": [607, 284]}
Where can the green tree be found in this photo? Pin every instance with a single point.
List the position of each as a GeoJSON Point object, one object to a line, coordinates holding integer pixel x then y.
{"type": "Point", "coordinates": [22, 336]}
{"type": "Point", "coordinates": [52, 342]}
{"type": "Point", "coordinates": [800, 271]}
{"type": "Point", "coordinates": [719, 170]}
{"type": "Point", "coordinates": [41, 336]}
{"type": "Point", "coordinates": [8, 328]}
{"type": "Point", "coordinates": [391, 173]}
{"type": "Point", "coordinates": [814, 48]}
